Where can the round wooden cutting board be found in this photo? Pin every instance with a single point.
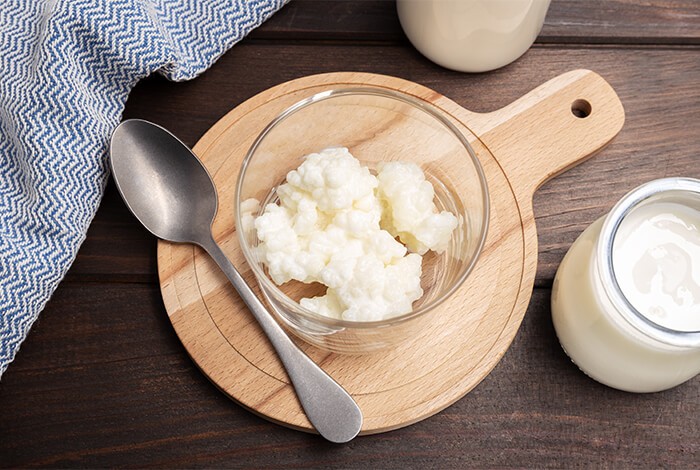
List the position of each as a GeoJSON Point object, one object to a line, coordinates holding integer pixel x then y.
{"type": "Point", "coordinates": [520, 146]}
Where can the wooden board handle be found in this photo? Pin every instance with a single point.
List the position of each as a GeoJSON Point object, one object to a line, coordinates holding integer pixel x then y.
{"type": "Point", "coordinates": [552, 128]}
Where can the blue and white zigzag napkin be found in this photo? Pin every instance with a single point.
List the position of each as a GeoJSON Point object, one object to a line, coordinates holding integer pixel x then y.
{"type": "Point", "coordinates": [66, 69]}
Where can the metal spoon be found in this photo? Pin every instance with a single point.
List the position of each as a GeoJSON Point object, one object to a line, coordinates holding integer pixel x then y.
{"type": "Point", "coordinates": [168, 189]}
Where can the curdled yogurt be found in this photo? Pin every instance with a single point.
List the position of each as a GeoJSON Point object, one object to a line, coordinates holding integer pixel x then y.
{"type": "Point", "coordinates": [337, 224]}
{"type": "Point", "coordinates": [408, 209]}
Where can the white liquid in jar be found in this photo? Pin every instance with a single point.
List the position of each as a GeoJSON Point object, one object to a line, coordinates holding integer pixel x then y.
{"type": "Point", "coordinates": [656, 260]}
{"type": "Point", "coordinates": [641, 260]}
{"type": "Point", "coordinates": [604, 349]}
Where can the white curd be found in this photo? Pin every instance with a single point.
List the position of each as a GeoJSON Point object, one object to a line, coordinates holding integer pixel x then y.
{"type": "Point", "coordinates": [408, 209]}
{"type": "Point", "coordinates": [336, 224]}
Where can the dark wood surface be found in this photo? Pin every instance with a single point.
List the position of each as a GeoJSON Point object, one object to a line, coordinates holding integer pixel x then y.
{"type": "Point", "coordinates": [102, 380]}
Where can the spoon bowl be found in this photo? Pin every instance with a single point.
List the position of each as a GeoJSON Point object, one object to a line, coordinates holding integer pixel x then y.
{"type": "Point", "coordinates": [171, 193]}
{"type": "Point", "coordinates": [163, 183]}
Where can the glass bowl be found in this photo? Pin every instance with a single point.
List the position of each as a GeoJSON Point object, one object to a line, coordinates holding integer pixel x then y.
{"type": "Point", "coordinates": [376, 125]}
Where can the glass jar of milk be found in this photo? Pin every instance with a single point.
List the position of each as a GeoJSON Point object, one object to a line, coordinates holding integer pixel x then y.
{"type": "Point", "coordinates": [472, 35]}
{"type": "Point", "coordinates": [626, 297]}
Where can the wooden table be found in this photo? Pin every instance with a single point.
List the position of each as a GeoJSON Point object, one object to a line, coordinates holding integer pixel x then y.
{"type": "Point", "coordinates": [103, 381]}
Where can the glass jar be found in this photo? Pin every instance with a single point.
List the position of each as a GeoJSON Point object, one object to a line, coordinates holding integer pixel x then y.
{"type": "Point", "coordinates": [472, 35]}
{"type": "Point", "coordinates": [626, 297]}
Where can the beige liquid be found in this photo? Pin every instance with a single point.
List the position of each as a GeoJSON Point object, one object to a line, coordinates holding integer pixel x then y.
{"type": "Point", "coordinates": [656, 258]}
{"type": "Point", "coordinates": [598, 339]}
{"type": "Point", "coordinates": [472, 35]}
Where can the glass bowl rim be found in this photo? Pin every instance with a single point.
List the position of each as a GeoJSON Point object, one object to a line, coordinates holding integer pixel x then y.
{"type": "Point", "coordinates": [264, 280]}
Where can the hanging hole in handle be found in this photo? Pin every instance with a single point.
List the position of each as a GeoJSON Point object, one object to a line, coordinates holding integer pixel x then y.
{"type": "Point", "coordinates": [581, 108]}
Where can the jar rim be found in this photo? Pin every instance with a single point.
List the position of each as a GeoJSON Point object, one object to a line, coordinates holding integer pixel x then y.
{"type": "Point", "coordinates": [689, 339]}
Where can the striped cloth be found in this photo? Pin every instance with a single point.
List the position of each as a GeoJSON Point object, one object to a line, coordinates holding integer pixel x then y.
{"type": "Point", "coordinates": [66, 69]}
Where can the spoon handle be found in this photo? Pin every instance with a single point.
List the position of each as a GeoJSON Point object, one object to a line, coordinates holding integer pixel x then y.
{"type": "Point", "coordinates": [331, 410]}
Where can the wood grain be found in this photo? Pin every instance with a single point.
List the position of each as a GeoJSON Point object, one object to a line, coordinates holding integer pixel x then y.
{"type": "Point", "coordinates": [103, 381]}
{"type": "Point", "coordinates": [622, 22]}
{"type": "Point", "coordinates": [655, 141]}
{"type": "Point", "coordinates": [99, 386]}
{"type": "Point", "coordinates": [567, 21]}
{"type": "Point", "coordinates": [229, 347]}
{"type": "Point", "coordinates": [446, 355]}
